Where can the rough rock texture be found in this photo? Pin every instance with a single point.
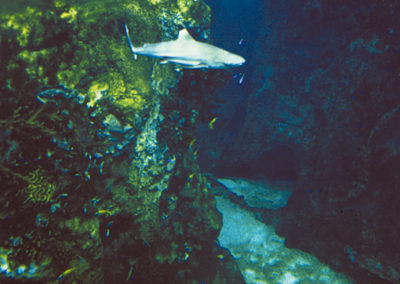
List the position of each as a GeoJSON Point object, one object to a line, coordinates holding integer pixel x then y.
{"type": "Point", "coordinates": [325, 112]}
{"type": "Point", "coordinates": [98, 171]}
{"type": "Point", "coordinates": [261, 254]}
{"type": "Point", "coordinates": [347, 191]}
{"type": "Point", "coordinates": [259, 194]}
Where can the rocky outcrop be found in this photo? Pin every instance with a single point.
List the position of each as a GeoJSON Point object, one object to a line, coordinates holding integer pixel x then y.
{"type": "Point", "coordinates": [99, 178]}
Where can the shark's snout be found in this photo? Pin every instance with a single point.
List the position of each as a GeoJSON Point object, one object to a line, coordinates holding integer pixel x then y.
{"type": "Point", "coordinates": [241, 60]}
{"type": "Point", "coordinates": [236, 60]}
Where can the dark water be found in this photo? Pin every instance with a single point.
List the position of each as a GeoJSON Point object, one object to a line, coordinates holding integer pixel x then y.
{"type": "Point", "coordinates": [320, 94]}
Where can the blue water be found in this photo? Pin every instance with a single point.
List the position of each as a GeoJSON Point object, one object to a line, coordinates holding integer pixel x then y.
{"type": "Point", "coordinates": [317, 107]}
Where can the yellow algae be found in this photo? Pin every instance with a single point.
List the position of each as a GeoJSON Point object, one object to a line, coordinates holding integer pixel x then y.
{"type": "Point", "coordinates": [70, 15]}
{"type": "Point", "coordinates": [134, 7]}
{"type": "Point", "coordinates": [136, 101]}
{"type": "Point", "coordinates": [211, 123]}
{"type": "Point", "coordinates": [12, 66]}
{"type": "Point", "coordinates": [70, 77]}
{"type": "Point", "coordinates": [32, 59]}
{"type": "Point", "coordinates": [157, 2]}
{"type": "Point", "coordinates": [141, 84]}
{"type": "Point", "coordinates": [117, 84]}
{"type": "Point", "coordinates": [96, 91]}
{"type": "Point", "coordinates": [22, 23]}
{"type": "Point", "coordinates": [59, 3]}
{"type": "Point", "coordinates": [183, 5]}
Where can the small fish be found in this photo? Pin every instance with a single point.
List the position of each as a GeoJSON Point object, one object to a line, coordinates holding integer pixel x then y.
{"type": "Point", "coordinates": [211, 124]}
{"type": "Point", "coordinates": [62, 195]}
{"type": "Point", "coordinates": [221, 256]}
{"type": "Point", "coordinates": [190, 177]}
{"type": "Point", "coordinates": [103, 212]}
{"type": "Point", "coordinates": [241, 79]}
{"type": "Point", "coordinates": [101, 167]}
{"type": "Point", "coordinates": [66, 272]}
{"type": "Point", "coordinates": [191, 143]}
{"type": "Point", "coordinates": [130, 273]}
{"type": "Point", "coordinates": [146, 243]}
{"type": "Point", "coordinates": [240, 41]}
{"type": "Point", "coordinates": [81, 264]}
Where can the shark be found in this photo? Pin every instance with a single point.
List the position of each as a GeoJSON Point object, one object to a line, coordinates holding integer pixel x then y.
{"type": "Point", "coordinates": [187, 52]}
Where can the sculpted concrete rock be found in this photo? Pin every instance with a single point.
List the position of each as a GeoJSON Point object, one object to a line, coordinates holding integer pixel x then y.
{"type": "Point", "coordinates": [260, 194]}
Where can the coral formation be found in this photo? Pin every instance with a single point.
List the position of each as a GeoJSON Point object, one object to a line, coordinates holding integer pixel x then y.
{"type": "Point", "coordinates": [39, 189]}
{"type": "Point", "coordinates": [96, 186]}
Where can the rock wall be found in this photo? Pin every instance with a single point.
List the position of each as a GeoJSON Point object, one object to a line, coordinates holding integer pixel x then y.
{"type": "Point", "coordinates": [324, 112]}
{"type": "Point", "coordinates": [99, 176]}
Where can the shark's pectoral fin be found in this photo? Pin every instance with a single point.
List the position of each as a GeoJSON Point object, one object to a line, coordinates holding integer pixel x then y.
{"type": "Point", "coordinates": [130, 42]}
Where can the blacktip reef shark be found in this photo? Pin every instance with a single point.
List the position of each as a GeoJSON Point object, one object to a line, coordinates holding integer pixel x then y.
{"type": "Point", "coordinates": [188, 52]}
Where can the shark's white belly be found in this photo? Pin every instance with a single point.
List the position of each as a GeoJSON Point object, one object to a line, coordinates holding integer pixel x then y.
{"type": "Point", "coordinates": [191, 51]}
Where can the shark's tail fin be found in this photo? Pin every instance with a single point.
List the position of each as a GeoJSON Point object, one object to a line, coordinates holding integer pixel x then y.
{"type": "Point", "coordinates": [129, 41]}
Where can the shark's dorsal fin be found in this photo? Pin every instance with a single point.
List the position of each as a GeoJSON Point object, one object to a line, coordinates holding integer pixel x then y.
{"type": "Point", "coordinates": [184, 35]}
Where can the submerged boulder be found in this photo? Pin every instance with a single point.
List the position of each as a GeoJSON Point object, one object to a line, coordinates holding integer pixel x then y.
{"type": "Point", "coordinates": [260, 194]}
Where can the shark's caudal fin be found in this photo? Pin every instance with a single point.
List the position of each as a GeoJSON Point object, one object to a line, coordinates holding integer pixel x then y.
{"type": "Point", "coordinates": [129, 41]}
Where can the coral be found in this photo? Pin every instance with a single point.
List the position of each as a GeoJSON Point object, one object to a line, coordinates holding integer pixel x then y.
{"type": "Point", "coordinates": [39, 189]}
